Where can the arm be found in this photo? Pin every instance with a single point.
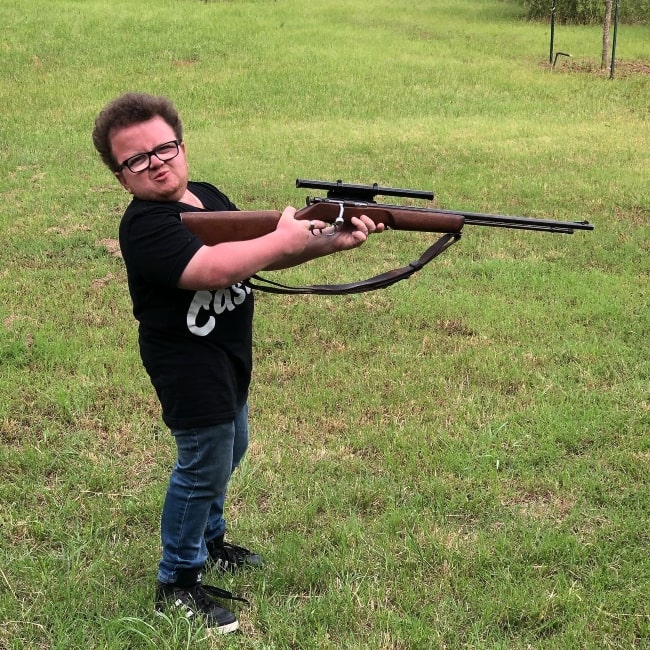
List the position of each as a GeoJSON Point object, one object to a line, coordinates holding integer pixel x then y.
{"type": "Point", "coordinates": [291, 243]}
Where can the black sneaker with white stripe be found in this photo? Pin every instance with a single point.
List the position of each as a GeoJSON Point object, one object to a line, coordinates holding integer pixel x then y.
{"type": "Point", "coordinates": [196, 600]}
{"type": "Point", "coordinates": [229, 557]}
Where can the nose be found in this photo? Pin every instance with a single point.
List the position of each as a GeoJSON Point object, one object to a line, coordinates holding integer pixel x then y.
{"type": "Point", "coordinates": [155, 162]}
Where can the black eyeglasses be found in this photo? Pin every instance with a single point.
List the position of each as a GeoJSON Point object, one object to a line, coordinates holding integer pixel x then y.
{"type": "Point", "coordinates": [142, 161]}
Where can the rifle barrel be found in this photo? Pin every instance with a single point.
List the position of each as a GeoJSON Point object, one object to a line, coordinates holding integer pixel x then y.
{"type": "Point", "coordinates": [521, 223]}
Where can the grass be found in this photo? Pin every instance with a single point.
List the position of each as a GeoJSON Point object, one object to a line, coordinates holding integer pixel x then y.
{"type": "Point", "coordinates": [459, 461]}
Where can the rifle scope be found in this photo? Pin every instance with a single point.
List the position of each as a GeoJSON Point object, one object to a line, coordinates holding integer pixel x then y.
{"type": "Point", "coordinates": [344, 191]}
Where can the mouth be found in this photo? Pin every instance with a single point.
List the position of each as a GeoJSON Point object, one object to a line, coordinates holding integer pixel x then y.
{"type": "Point", "coordinates": [161, 175]}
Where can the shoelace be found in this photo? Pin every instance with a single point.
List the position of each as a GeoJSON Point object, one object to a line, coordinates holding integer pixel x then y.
{"type": "Point", "coordinates": [205, 594]}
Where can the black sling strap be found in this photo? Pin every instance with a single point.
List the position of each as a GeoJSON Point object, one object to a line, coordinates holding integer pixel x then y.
{"type": "Point", "coordinates": [371, 284]}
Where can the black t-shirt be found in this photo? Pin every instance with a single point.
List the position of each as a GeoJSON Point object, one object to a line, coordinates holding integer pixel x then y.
{"type": "Point", "coordinates": [195, 345]}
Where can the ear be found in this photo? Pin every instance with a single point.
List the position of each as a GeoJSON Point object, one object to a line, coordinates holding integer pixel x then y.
{"type": "Point", "coordinates": [184, 152]}
{"type": "Point", "coordinates": [120, 177]}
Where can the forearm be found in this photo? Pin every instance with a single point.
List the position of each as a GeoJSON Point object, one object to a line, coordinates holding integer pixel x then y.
{"type": "Point", "coordinates": [226, 264]}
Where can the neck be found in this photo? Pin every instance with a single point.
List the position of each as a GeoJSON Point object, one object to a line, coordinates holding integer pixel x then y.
{"type": "Point", "coordinates": [191, 199]}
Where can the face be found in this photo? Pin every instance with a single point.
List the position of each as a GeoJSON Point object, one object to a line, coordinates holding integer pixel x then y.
{"type": "Point", "coordinates": [163, 181]}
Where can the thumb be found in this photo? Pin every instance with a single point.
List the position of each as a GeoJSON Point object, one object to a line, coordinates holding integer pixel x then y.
{"type": "Point", "coordinates": [288, 213]}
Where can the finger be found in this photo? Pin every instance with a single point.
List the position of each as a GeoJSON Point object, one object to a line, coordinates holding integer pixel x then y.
{"type": "Point", "coordinates": [316, 226]}
{"type": "Point", "coordinates": [362, 224]}
{"type": "Point", "coordinates": [359, 236]}
{"type": "Point", "coordinates": [371, 226]}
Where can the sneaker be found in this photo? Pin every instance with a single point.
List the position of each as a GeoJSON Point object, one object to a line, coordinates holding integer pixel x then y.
{"type": "Point", "coordinates": [198, 600]}
{"type": "Point", "coordinates": [229, 557]}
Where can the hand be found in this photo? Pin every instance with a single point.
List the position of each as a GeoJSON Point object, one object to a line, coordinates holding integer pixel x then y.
{"type": "Point", "coordinates": [356, 232]}
{"type": "Point", "coordinates": [297, 233]}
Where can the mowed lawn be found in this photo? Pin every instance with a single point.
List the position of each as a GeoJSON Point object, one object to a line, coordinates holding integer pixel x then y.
{"type": "Point", "coordinates": [458, 461]}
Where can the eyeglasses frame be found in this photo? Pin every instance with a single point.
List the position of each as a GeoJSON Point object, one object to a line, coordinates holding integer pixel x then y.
{"type": "Point", "coordinates": [149, 155]}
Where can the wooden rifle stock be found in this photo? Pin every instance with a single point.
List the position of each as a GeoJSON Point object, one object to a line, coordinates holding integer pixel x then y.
{"type": "Point", "coordinates": [217, 227]}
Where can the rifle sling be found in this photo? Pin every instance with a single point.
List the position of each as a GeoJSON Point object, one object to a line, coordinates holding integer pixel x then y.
{"type": "Point", "coordinates": [371, 284]}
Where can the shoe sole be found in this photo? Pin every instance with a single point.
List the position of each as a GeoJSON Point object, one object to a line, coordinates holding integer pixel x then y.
{"type": "Point", "coordinates": [227, 628]}
{"type": "Point", "coordinates": [222, 629]}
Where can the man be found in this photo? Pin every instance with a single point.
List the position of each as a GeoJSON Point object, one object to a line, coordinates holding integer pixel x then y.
{"type": "Point", "coordinates": [195, 333]}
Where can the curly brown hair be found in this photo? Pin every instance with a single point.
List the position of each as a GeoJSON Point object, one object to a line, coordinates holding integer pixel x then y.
{"type": "Point", "coordinates": [126, 110]}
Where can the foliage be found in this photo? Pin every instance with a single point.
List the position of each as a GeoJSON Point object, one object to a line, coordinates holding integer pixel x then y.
{"type": "Point", "coordinates": [585, 12]}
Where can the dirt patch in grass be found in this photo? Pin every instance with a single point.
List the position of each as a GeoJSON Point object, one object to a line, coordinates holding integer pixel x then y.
{"type": "Point", "coordinates": [591, 66]}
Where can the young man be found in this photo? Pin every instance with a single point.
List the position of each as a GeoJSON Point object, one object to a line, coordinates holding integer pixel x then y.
{"type": "Point", "coordinates": [195, 315]}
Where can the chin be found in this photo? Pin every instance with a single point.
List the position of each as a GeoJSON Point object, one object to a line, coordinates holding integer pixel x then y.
{"type": "Point", "coordinates": [170, 195]}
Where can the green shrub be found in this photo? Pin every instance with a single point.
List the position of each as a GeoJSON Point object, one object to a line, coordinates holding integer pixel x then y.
{"type": "Point", "coordinates": [587, 11]}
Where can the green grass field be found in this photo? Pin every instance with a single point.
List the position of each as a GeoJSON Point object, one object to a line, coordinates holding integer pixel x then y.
{"type": "Point", "coordinates": [459, 461]}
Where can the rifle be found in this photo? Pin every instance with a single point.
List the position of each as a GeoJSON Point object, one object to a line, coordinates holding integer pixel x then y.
{"type": "Point", "coordinates": [344, 201]}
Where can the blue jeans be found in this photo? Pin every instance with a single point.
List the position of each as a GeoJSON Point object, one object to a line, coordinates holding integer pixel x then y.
{"type": "Point", "coordinates": [193, 509]}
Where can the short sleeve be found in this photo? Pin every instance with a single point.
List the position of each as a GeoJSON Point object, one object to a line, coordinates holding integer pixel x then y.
{"type": "Point", "coordinates": [157, 247]}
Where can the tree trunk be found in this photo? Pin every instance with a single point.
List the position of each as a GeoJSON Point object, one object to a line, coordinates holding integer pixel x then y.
{"type": "Point", "coordinates": [606, 25]}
